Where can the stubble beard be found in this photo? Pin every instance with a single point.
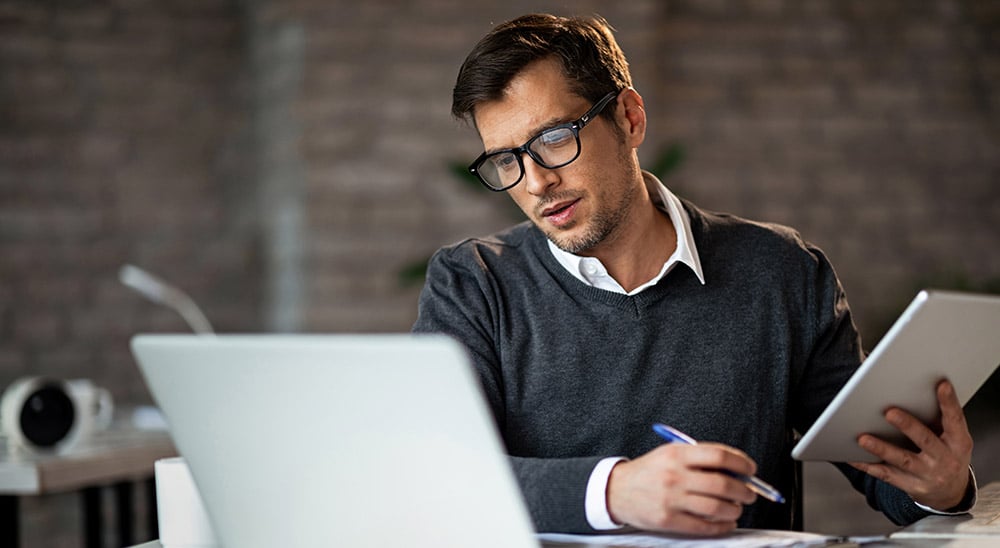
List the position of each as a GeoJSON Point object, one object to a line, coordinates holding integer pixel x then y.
{"type": "Point", "coordinates": [601, 227]}
{"type": "Point", "coordinates": [607, 222]}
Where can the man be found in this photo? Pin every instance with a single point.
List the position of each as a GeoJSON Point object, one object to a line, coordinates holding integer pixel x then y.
{"type": "Point", "coordinates": [619, 305]}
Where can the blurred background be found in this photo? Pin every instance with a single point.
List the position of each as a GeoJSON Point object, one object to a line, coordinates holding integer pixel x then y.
{"type": "Point", "coordinates": [290, 164]}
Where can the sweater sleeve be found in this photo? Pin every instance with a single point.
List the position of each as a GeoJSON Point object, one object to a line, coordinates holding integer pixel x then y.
{"type": "Point", "coordinates": [555, 490]}
{"type": "Point", "coordinates": [462, 300]}
{"type": "Point", "coordinates": [835, 354]}
{"type": "Point", "coordinates": [458, 300]}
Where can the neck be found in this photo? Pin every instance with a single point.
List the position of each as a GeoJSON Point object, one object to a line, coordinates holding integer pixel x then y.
{"type": "Point", "coordinates": [636, 253]}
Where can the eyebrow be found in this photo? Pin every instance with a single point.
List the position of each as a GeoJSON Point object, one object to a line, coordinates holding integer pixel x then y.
{"type": "Point", "coordinates": [548, 124]}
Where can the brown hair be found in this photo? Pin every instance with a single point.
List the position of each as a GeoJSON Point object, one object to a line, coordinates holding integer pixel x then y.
{"type": "Point", "coordinates": [591, 59]}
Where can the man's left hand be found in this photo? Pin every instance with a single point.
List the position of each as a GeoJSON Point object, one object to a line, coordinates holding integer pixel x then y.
{"type": "Point", "coordinates": [937, 475]}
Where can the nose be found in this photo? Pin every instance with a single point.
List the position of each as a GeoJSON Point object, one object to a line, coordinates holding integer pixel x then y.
{"type": "Point", "coordinates": [538, 180]}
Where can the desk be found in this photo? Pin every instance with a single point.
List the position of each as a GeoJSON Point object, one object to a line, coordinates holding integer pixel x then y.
{"type": "Point", "coordinates": [985, 513]}
{"type": "Point", "coordinates": [114, 457]}
{"type": "Point", "coordinates": [889, 543]}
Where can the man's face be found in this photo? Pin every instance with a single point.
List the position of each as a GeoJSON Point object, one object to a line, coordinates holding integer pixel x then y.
{"type": "Point", "coordinates": [581, 206]}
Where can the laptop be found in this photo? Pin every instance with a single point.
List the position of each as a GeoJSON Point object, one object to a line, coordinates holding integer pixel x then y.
{"type": "Point", "coordinates": [337, 440]}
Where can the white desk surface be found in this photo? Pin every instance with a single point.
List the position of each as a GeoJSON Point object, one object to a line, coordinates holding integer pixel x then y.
{"type": "Point", "coordinates": [986, 515]}
{"type": "Point", "coordinates": [110, 456]}
{"type": "Point", "coordinates": [888, 543]}
{"type": "Point", "coordinates": [983, 521]}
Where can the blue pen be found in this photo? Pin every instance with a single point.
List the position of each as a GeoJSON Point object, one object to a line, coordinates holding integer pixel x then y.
{"type": "Point", "coordinates": [755, 484]}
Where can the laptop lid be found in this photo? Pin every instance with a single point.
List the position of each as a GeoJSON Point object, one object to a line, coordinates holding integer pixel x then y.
{"type": "Point", "coordinates": [339, 440]}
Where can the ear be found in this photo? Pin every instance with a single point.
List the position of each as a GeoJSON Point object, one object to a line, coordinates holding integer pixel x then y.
{"type": "Point", "coordinates": [631, 117]}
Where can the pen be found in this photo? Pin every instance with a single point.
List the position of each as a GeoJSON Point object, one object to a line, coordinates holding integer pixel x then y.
{"type": "Point", "coordinates": [754, 483]}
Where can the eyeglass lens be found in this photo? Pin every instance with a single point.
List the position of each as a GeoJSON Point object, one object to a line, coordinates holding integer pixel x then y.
{"type": "Point", "coordinates": [551, 149]}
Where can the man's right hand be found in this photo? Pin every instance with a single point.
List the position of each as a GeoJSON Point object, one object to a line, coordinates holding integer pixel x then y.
{"type": "Point", "coordinates": [678, 488]}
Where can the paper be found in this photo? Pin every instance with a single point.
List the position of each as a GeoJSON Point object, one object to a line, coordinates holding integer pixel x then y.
{"type": "Point", "coordinates": [743, 538]}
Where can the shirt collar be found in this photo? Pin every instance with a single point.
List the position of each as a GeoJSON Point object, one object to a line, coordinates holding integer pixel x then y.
{"type": "Point", "coordinates": [590, 271]}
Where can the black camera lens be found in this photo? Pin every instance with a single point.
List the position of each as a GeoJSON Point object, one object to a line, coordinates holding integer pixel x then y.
{"type": "Point", "coordinates": [47, 416]}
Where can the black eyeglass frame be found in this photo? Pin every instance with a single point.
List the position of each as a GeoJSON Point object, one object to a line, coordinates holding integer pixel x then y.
{"type": "Point", "coordinates": [575, 126]}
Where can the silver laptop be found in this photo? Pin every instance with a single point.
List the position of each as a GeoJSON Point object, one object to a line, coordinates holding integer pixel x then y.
{"type": "Point", "coordinates": [341, 440]}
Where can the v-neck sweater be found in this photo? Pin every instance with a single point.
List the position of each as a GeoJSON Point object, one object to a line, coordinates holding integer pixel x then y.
{"type": "Point", "coordinates": [573, 373]}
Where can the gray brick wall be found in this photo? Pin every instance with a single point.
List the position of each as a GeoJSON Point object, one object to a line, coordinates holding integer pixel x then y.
{"type": "Point", "coordinates": [163, 134]}
{"type": "Point", "coordinates": [862, 124]}
{"type": "Point", "coordinates": [124, 137]}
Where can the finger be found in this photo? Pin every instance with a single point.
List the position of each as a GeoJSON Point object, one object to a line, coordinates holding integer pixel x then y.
{"type": "Point", "coordinates": [914, 473]}
{"type": "Point", "coordinates": [875, 469]}
{"type": "Point", "coordinates": [714, 509]}
{"type": "Point", "coordinates": [715, 484]}
{"type": "Point", "coordinates": [720, 457]}
{"type": "Point", "coordinates": [653, 492]}
{"type": "Point", "coordinates": [952, 417]}
{"type": "Point", "coordinates": [894, 458]}
{"type": "Point", "coordinates": [919, 433]}
{"type": "Point", "coordinates": [889, 474]}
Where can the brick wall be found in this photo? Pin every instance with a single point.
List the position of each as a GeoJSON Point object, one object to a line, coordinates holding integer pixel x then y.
{"type": "Point", "coordinates": [871, 127]}
{"type": "Point", "coordinates": [284, 162]}
{"type": "Point", "coordinates": [124, 137]}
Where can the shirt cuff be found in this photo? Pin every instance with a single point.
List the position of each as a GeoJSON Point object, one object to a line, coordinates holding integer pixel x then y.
{"type": "Point", "coordinates": [963, 507]}
{"type": "Point", "coordinates": [596, 501]}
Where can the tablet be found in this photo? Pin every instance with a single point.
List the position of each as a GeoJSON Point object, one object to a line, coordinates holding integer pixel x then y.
{"type": "Point", "coordinates": [940, 335]}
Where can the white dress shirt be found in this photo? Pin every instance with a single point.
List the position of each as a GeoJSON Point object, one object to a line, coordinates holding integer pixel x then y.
{"type": "Point", "coordinates": [590, 271]}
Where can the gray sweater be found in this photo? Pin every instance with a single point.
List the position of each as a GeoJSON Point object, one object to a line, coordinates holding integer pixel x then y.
{"type": "Point", "coordinates": [574, 374]}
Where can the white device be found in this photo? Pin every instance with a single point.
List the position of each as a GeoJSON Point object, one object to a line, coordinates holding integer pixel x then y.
{"type": "Point", "coordinates": [337, 440]}
{"type": "Point", "coordinates": [940, 335]}
{"type": "Point", "coordinates": [42, 415]}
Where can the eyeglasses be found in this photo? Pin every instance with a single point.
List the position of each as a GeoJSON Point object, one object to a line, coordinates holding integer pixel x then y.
{"type": "Point", "coordinates": [552, 148]}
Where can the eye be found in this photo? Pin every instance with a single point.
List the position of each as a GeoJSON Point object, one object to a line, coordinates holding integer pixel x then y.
{"type": "Point", "coordinates": [504, 162]}
{"type": "Point", "coordinates": [555, 138]}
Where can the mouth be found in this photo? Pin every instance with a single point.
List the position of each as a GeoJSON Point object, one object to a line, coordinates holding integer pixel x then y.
{"type": "Point", "coordinates": [560, 213]}
{"type": "Point", "coordinates": [561, 206]}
